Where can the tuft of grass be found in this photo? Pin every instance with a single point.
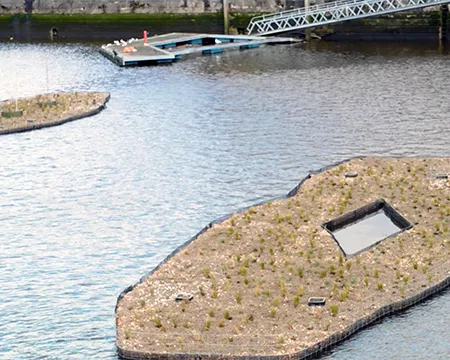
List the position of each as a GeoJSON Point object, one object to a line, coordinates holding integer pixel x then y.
{"type": "Point", "coordinates": [239, 298]}
{"type": "Point", "coordinates": [296, 301]}
{"type": "Point", "coordinates": [272, 313]}
{"type": "Point", "coordinates": [344, 295]}
{"type": "Point", "coordinates": [334, 309]}
{"type": "Point", "coordinates": [157, 321]}
{"type": "Point", "coordinates": [206, 273]}
{"type": "Point", "coordinates": [380, 286]}
{"type": "Point", "coordinates": [227, 315]}
{"type": "Point", "coordinates": [214, 294]}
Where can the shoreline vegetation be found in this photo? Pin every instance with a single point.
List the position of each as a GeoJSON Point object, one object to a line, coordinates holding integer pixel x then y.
{"type": "Point", "coordinates": [250, 276]}
{"type": "Point", "coordinates": [47, 110]}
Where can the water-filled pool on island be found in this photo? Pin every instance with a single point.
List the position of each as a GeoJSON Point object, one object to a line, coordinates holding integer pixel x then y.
{"type": "Point", "coordinates": [362, 228]}
{"type": "Point", "coordinates": [366, 232]}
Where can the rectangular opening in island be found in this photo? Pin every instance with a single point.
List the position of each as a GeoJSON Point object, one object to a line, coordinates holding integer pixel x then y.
{"type": "Point", "coordinates": [365, 227]}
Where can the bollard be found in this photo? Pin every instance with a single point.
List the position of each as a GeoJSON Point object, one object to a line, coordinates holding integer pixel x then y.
{"type": "Point", "coordinates": [145, 36]}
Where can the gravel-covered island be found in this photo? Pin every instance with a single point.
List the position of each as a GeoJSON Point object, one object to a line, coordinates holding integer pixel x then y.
{"type": "Point", "coordinates": [250, 276]}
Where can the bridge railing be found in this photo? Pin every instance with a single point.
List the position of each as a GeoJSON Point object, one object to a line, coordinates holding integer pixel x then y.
{"type": "Point", "coordinates": [312, 8]}
{"type": "Point", "coordinates": [331, 12]}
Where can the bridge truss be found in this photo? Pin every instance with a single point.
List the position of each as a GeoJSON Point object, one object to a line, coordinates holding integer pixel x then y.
{"type": "Point", "coordinates": [330, 13]}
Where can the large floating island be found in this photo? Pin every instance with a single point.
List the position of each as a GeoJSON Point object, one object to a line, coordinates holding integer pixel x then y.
{"type": "Point", "coordinates": [241, 288]}
{"type": "Point", "coordinates": [48, 110]}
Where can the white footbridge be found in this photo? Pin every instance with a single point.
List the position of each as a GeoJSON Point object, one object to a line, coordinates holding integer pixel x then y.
{"type": "Point", "coordinates": [330, 13]}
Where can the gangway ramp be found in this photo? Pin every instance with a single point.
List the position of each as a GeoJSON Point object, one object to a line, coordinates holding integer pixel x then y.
{"type": "Point", "coordinates": [331, 13]}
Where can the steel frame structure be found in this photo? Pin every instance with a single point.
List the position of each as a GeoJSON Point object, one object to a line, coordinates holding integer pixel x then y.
{"type": "Point", "coordinates": [329, 13]}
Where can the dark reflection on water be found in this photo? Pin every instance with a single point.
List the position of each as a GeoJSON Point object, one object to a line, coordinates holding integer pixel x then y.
{"type": "Point", "coordinates": [89, 207]}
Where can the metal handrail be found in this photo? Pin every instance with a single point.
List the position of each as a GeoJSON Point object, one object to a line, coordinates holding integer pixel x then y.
{"type": "Point", "coordinates": [324, 14]}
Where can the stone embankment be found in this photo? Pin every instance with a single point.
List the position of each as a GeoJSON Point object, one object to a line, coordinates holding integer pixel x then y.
{"type": "Point", "coordinates": [132, 6]}
{"type": "Point", "coordinates": [19, 115]}
{"type": "Point", "coordinates": [246, 279]}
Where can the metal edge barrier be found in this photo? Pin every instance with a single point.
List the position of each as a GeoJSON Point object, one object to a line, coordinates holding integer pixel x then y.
{"type": "Point", "coordinates": [309, 352]}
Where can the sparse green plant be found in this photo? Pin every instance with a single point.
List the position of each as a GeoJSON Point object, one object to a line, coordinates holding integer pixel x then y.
{"type": "Point", "coordinates": [415, 266]}
{"type": "Point", "coordinates": [221, 324]}
{"type": "Point", "coordinates": [405, 279]}
{"type": "Point", "coordinates": [227, 315]}
{"type": "Point", "coordinates": [300, 291]}
{"type": "Point", "coordinates": [206, 273]}
{"type": "Point", "coordinates": [348, 265]}
{"type": "Point", "coordinates": [214, 294]}
{"type": "Point", "coordinates": [424, 233]}
{"type": "Point", "coordinates": [276, 302]}
{"type": "Point", "coordinates": [344, 295]}
{"type": "Point", "coordinates": [246, 281]}
{"type": "Point", "coordinates": [208, 323]}
{"type": "Point", "coordinates": [243, 271]}
{"type": "Point", "coordinates": [239, 298]}
{"type": "Point", "coordinates": [300, 272]}
{"type": "Point", "coordinates": [157, 321]}
{"type": "Point", "coordinates": [366, 281]}
{"type": "Point", "coordinates": [332, 270]}
{"type": "Point", "coordinates": [398, 275]}
{"type": "Point", "coordinates": [334, 309]}
{"type": "Point", "coordinates": [211, 313]}
{"type": "Point", "coordinates": [341, 260]}
{"type": "Point", "coordinates": [376, 273]}
{"type": "Point", "coordinates": [272, 313]}
{"type": "Point", "coordinates": [380, 286]}
{"type": "Point", "coordinates": [296, 301]}
{"type": "Point", "coordinates": [323, 274]}
{"type": "Point", "coordinates": [127, 334]}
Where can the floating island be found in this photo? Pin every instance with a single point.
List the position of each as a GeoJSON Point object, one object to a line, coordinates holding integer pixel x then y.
{"type": "Point", "coordinates": [245, 286]}
{"type": "Point", "coordinates": [18, 115]}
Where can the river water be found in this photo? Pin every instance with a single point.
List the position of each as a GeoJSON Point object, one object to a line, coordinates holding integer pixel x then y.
{"type": "Point", "coordinates": [89, 207]}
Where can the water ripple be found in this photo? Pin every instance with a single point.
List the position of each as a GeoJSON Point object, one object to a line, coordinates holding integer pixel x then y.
{"type": "Point", "coordinates": [89, 207]}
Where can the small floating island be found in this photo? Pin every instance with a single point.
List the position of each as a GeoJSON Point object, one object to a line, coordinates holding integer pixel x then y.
{"type": "Point", "coordinates": [48, 110]}
{"type": "Point", "coordinates": [241, 288]}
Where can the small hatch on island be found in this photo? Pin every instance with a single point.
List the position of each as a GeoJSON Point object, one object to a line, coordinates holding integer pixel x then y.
{"type": "Point", "coordinates": [183, 296]}
{"type": "Point", "coordinates": [316, 301]}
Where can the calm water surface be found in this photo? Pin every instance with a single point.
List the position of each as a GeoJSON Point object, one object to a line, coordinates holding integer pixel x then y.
{"type": "Point", "coordinates": [88, 207]}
